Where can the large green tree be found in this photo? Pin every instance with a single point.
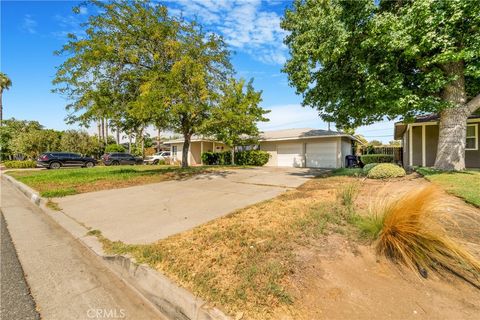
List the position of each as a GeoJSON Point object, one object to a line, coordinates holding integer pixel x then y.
{"type": "Point", "coordinates": [80, 142]}
{"type": "Point", "coordinates": [234, 119]}
{"type": "Point", "coordinates": [360, 61]}
{"type": "Point", "coordinates": [5, 84]}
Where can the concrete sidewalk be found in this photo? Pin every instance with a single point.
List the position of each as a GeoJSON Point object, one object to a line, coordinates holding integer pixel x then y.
{"type": "Point", "coordinates": [66, 280]}
{"type": "Point", "coordinates": [144, 214]}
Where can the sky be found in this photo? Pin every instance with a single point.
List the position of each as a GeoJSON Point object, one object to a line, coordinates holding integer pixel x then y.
{"type": "Point", "coordinates": [32, 30]}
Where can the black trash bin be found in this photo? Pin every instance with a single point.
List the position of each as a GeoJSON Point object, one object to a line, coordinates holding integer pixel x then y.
{"type": "Point", "coordinates": [351, 161]}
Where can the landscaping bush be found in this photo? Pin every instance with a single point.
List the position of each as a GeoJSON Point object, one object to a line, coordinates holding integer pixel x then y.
{"type": "Point", "coordinates": [386, 170]}
{"type": "Point", "coordinates": [114, 148]}
{"type": "Point", "coordinates": [376, 158]}
{"type": "Point", "coordinates": [217, 158]}
{"type": "Point", "coordinates": [19, 164]}
{"type": "Point", "coordinates": [252, 158]}
{"type": "Point", "coordinates": [368, 167]}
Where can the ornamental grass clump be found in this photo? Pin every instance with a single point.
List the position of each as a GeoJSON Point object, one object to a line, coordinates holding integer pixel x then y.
{"type": "Point", "coordinates": [414, 234]}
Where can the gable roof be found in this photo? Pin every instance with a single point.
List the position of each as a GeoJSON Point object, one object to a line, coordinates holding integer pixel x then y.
{"type": "Point", "coordinates": [401, 127]}
{"type": "Point", "coordinates": [300, 133]}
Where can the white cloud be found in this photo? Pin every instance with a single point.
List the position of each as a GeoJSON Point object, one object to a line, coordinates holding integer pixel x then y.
{"type": "Point", "coordinates": [29, 24]}
{"type": "Point", "coordinates": [83, 10]}
{"type": "Point", "coordinates": [69, 24]}
{"type": "Point", "coordinates": [245, 25]}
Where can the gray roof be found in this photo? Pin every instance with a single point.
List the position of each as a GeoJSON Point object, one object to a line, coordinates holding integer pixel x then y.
{"type": "Point", "coordinates": [301, 133]}
{"type": "Point", "coordinates": [194, 138]}
{"type": "Point", "coordinates": [278, 135]}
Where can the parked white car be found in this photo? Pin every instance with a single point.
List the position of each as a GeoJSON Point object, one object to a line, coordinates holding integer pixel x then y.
{"type": "Point", "coordinates": [157, 157]}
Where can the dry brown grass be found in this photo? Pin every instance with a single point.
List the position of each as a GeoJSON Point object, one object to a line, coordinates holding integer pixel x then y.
{"type": "Point", "coordinates": [414, 234]}
{"type": "Point", "coordinates": [242, 261]}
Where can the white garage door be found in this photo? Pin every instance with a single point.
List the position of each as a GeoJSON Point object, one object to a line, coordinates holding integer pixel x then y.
{"type": "Point", "coordinates": [321, 154]}
{"type": "Point", "coordinates": [289, 155]}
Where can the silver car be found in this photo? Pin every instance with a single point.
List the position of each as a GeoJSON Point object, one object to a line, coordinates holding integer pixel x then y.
{"type": "Point", "coordinates": [157, 157]}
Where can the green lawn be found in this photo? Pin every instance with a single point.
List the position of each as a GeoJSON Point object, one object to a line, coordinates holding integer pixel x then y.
{"type": "Point", "coordinates": [63, 182]}
{"type": "Point", "coordinates": [465, 184]}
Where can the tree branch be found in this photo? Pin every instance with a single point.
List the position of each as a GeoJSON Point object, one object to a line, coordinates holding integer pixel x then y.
{"type": "Point", "coordinates": [474, 104]}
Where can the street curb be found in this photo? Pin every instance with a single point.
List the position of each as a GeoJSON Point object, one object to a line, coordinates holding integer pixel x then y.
{"type": "Point", "coordinates": [164, 294]}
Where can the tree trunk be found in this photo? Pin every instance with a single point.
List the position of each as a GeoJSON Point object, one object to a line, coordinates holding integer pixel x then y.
{"type": "Point", "coordinates": [186, 146]}
{"type": "Point", "coordinates": [106, 130]}
{"type": "Point", "coordinates": [158, 140]}
{"type": "Point", "coordinates": [99, 131]}
{"type": "Point", "coordinates": [103, 130]}
{"type": "Point", "coordinates": [129, 142]}
{"type": "Point", "coordinates": [451, 140]}
{"type": "Point", "coordinates": [118, 135]}
{"type": "Point", "coordinates": [453, 121]}
{"type": "Point", "coordinates": [142, 137]}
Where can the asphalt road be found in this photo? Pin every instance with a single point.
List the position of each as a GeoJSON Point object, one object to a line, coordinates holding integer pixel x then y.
{"type": "Point", "coordinates": [16, 301]}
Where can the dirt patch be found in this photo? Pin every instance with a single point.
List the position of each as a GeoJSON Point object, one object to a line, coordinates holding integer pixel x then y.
{"type": "Point", "coordinates": [359, 286]}
{"type": "Point", "coordinates": [338, 278]}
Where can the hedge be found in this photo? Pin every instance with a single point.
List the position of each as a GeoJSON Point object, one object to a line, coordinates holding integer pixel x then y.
{"type": "Point", "coordinates": [217, 158]}
{"type": "Point", "coordinates": [19, 164]}
{"type": "Point", "coordinates": [242, 158]}
{"type": "Point", "coordinates": [252, 158]}
{"type": "Point", "coordinates": [114, 148]}
{"type": "Point", "coordinates": [376, 158]}
{"type": "Point", "coordinates": [386, 170]}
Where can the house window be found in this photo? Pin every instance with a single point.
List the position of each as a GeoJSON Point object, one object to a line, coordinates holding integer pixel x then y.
{"type": "Point", "coordinates": [174, 152]}
{"type": "Point", "coordinates": [472, 137]}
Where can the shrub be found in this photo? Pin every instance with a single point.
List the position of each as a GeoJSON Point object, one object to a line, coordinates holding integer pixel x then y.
{"type": "Point", "coordinates": [376, 158]}
{"type": "Point", "coordinates": [369, 167]}
{"type": "Point", "coordinates": [386, 170]}
{"type": "Point", "coordinates": [114, 148]}
{"type": "Point", "coordinates": [217, 158]}
{"type": "Point", "coordinates": [19, 164]}
{"type": "Point", "coordinates": [252, 158]}
{"type": "Point", "coordinates": [414, 235]}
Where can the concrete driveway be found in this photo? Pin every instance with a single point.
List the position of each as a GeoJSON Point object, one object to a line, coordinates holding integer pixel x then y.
{"type": "Point", "coordinates": [147, 213]}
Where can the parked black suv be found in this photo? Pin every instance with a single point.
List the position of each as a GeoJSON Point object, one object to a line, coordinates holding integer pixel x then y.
{"type": "Point", "coordinates": [118, 158]}
{"type": "Point", "coordinates": [55, 160]}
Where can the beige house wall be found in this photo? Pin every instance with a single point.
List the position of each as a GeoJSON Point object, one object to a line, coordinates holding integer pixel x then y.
{"type": "Point", "coordinates": [196, 149]}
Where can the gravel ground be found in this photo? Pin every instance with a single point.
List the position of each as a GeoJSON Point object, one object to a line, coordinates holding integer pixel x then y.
{"type": "Point", "coordinates": [16, 301]}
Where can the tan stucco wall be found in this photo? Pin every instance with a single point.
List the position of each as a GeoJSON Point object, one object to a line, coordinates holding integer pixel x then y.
{"type": "Point", "coordinates": [431, 142]}
{"type": "Point", "coordinates": [417, 146]}
{"type": "Point", "coordinates": [194, 152]}
{"type": "Point", "coordinates": [271, 148]}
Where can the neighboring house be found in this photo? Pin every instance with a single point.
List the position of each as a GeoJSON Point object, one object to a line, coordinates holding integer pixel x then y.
{"type": "Point", "coordinates": [310, 148]}
{"type": "Point", "coordinates": [420, 139]}
{"type": "Point", "coordinates": [198, 145]}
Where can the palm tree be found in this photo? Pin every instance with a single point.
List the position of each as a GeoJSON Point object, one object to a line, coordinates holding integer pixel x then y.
{"type": "Point", "coordinates": [5, 84]}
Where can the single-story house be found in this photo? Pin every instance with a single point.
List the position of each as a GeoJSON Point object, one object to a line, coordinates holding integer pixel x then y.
{"type": "Point", "coordinates": [198, 145]}
{"type": "Point", "coordinates": [310, 148]}
{"type": "Point", "coordinates": [420, 139]}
